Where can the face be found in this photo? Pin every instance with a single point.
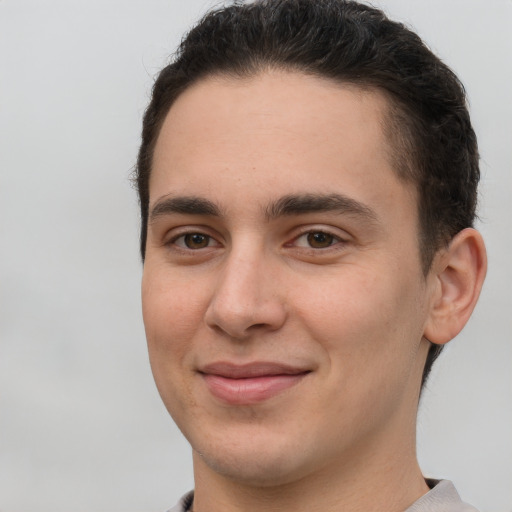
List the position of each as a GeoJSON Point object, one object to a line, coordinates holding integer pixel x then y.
{"type": "Point", "coordinates": [283, 296]}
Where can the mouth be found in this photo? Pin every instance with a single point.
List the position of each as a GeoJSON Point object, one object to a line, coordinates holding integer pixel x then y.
{"type": "Point", "coordinates": [250, 383]}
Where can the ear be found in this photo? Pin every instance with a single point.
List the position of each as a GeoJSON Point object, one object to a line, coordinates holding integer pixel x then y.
{"type": "Point", "coordinates": [458, 273]}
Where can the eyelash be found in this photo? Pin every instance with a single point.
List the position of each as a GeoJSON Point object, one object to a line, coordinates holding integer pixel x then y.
{"type": "Point", "coordinates": [332, 240]}
{"type": "Point", "coordinates": [174, 241]}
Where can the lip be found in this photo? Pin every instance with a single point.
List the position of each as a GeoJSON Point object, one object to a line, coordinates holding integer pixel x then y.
{"type": "Point", "coordinates": [250, 383]}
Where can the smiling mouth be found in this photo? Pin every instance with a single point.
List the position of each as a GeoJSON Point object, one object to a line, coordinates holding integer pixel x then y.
{"type": "Point", "coordinates": [250, 384]}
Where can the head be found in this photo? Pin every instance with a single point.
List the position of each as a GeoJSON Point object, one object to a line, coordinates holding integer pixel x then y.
{"type": "Point", "coordinates": [306, 177]}
{"type": "Point", "coordinates": [432, 142]}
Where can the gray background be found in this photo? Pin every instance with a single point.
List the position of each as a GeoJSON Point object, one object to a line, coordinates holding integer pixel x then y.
{"type": "Point", "coordinates": [81, 425]}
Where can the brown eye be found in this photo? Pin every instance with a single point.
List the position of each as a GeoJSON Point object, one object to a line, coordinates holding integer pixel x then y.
{"type": "Point", "coordinates": [320, 240]}
{"type": "Point", "coordinates": [196, 240]}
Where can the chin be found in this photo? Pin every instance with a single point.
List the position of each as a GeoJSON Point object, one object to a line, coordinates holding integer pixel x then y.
{"type": "Point", "coordinates": [253, 470]}
{"type": "Point", "coordinates": [255, 461]}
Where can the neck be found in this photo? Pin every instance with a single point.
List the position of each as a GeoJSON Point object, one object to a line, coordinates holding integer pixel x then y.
{"type": "Point", "coordinates": [375, 481]}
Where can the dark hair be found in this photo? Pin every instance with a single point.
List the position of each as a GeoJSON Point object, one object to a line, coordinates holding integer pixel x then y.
{"type": "Point", "coordinates": [428, 124]}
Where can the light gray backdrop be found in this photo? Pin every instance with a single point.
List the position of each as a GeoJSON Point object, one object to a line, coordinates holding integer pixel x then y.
{"type": "Point", "coordinates": [81, 425]}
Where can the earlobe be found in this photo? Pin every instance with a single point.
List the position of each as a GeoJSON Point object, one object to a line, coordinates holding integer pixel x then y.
{"type": "Point", "coordinates": [459, 275]}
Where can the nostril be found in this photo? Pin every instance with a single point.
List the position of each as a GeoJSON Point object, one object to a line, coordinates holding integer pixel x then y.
{"type": "Point", "coordinates": [257, 326]}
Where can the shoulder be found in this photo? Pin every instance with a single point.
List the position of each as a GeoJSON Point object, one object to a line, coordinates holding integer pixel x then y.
{"type": "Point", "coordinates": [184, 504]}
{"type": "Point", "coordinates": [442, 497]}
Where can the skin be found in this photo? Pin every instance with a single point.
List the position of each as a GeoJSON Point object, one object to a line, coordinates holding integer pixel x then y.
{"type": "Point", "coordinates": [232, 275]}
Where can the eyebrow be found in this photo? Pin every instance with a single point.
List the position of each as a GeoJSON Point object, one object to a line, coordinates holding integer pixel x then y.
{"type": "Point", "coordinates": [297, 204]}
{"type": "Point", "coordinates": [187, 205]}
{"type": "Point", "coordinates": [289, 205]}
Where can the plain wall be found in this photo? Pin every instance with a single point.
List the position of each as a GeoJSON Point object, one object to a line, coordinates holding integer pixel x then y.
{"type": "Point", "coordinates": [81, 425]}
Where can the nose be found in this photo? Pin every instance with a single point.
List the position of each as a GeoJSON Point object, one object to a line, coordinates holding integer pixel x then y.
{"type": "Point", "coordinates": [247, 298]}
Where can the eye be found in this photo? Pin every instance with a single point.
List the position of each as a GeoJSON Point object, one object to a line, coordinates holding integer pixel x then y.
{"type": "Point", "coordinates": [194, 241]}
{"type": "Point", "coordinates": [317, 240]}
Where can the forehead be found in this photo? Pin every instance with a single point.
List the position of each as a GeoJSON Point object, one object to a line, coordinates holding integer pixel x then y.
{"type": "Point", "coordinates": [291, 103]}
{"type": "Point", "coordinates": [282, 132]}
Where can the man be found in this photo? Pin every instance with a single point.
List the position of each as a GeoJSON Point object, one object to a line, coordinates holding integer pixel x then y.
{"type": "Point", "coordinates": [307, 179]}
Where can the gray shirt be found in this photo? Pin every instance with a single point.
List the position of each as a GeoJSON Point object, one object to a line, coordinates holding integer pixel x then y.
{"type": "Point", "coordinates": [442, 497]}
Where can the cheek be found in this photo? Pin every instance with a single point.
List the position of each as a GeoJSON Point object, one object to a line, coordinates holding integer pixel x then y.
{"type": "Point", "coordinates": [172, 315]}
{"type": "Point", "coordinates": [369, 335]}
{"type": "Point", "coordinates": [171, 307]}
{"type": "Point", "coordinates": [368, 323]}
